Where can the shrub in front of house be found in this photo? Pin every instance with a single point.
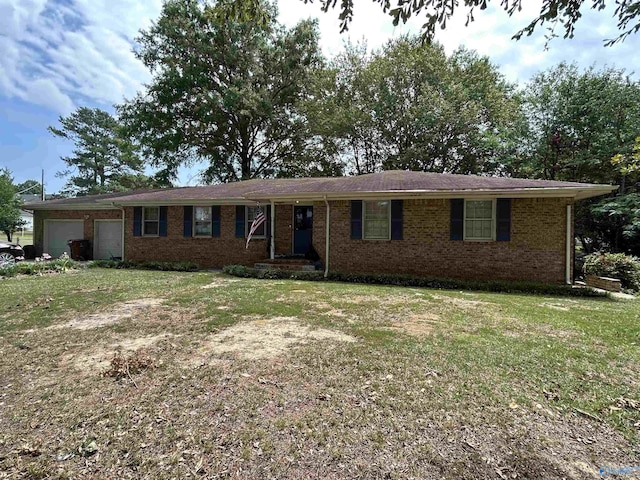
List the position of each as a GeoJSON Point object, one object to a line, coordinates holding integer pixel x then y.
{"type": "Point", "coordinates": [247, 272]}
{"type": "Point", "coordinates": [498, 286]}
{"type": "Point", "coordinates": [146, 265]}
{"type": "Point", "coordinates": [37, 268]}
{"type": "Point", "coordinates": [625, 268]}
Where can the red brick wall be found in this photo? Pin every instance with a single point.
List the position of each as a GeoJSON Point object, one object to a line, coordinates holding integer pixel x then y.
{"type": "Point", "coordinates": [536, 251]}
{"type": "Point", "coordinates": [211, 252]}
{"type": "Point", "coordinates": [89, 216]}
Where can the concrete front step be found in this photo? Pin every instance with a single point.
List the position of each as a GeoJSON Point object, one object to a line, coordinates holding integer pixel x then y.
{"type": "Point", "coordinates": [284, 266]}
{"type": "Point", "coordinates": [286, 261]}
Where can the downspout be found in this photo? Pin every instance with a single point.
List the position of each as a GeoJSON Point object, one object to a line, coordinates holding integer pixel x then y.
{"type": "Point", "coordinates": [272, 248]}
{"type": "Point", "coordinates": [568, 252]}
{"type": "Point", "coordinates": [326, 254]}
{"type": "Point", "coordinates": [124, 225]}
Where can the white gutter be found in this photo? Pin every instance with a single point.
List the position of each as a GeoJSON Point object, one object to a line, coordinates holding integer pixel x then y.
{"type": "Point", "coordinates": [568, 252]}
{"type": "Point", "coordinates": [326, 261]}
{"type": "Point", "coordinates": [124, 226]}
{"type": "Point", "coordinates": [76, 206]}
{"type": "Point", "coordinates": [569, 192]}
{"type": "Point", "coordinates": [272, 248]}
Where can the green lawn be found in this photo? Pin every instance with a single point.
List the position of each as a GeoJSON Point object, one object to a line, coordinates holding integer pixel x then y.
{"type": "Point", "coordinates": [289, 379]}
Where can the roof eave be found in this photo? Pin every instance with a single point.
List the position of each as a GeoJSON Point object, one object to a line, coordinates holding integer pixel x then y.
{"type": "Point", "coordinates": [76, 206]}
{"type": "Point", "coordinates": [178, 202]}
{"type": "Point", "coordinates": [577, 193]}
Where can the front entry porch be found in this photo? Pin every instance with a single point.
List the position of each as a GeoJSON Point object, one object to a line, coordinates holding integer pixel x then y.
{"type": "Point", "coordinates": [290, 239]}
{"type": "Point", "coordinates": [286, 263]}
{"type": "Point", "coordinates": [289, 229]}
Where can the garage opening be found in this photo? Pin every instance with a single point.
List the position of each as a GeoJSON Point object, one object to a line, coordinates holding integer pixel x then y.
{"type": "Point", "coordinates": [107, 239]}
{"type": "Point", "coordinates": [58, 232]}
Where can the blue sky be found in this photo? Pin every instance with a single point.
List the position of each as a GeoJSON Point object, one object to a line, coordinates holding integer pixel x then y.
{"type": "Point", "coordinates": [58, 55]}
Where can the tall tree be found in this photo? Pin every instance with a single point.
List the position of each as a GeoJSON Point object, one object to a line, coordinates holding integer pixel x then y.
{"type": "Point", "coordinates": [10, 203]}
{"type": "Point", "coordinates": [31, 187]}
{"type": "Point", "coordinates": [580, 120]}
{"type": "Point", "coordinates": [565, 13]}
{"type": "Point", "coordinates": [341, 113]}
{"type": "Point", "coordinates": [410, 106]}
{"type": "Point", "coordinates": [225, 92]}
{"type": "Point", "coordinates": [584, 127]}
{"type": "Point", "coordinates": [103, 156]}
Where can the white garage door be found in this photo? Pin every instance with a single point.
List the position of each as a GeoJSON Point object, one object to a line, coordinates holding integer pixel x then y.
{"type": "Point", "coordinates": [58, 232]}
{"type": "Point", "coordinates": [107, 239]}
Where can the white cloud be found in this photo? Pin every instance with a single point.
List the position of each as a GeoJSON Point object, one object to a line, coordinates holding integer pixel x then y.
{"type": "Point", "coordinates": [492, 30]}
{"type": "Point", "coordinates": [369, 24]}
{"type": "Point", "coordinates": [44, 91]}
{"type": "Point", "coordinates": [61, 55]}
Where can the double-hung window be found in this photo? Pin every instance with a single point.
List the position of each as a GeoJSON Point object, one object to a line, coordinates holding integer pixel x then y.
{"type": "Point", "coordinates": [202, 221]}
{"type": "Point", "coordinates": [250, 216]}
{"type": "Point", "coordinates": [479, 220]}
{"type": "Point", "coordinates": [150, 221]}
{"type": "Point", "coordinates": [376, 220]}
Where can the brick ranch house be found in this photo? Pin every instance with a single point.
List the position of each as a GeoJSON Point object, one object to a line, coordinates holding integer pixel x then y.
{"type": "Point", "coordinates": [440, 225]}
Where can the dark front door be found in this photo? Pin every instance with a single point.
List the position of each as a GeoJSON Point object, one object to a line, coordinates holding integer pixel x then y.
{"type": "Point", "coordinates": [302, 229]}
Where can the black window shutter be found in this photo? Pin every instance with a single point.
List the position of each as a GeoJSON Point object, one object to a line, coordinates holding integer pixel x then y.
{"type": "Point", "coordinates": [457, 219]}
{"type": "Point", "coordinates": [268, 220]}
{"type": "Point", "coordinates": [162, 227]}
{"type": "Point", "coordinates": [215, 219]}
{"type": "Point", "coordinates": [137, 221]}
{"type": "Point", "coordinates": [356, 219]}
{"type": "Point", "coordinates": [188, 221]}
{"type": "Point", "coordinates": [396, 219]}
{"type": "Point", "coordinates": [240, 221]}
{"type": "Point", "coordinates": [503, 220]}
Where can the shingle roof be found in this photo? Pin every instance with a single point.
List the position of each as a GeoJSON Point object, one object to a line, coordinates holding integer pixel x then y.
{"type": "Point", "coordinates": [389, 182]}
{"type": "Point", "coordinates": [96, 200]}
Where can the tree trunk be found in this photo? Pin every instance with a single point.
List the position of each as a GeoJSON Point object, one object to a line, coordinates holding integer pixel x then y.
{"type": "Point", "coordinates": [8, 234]}
{"type": "Point", "coordinates": [245, 167]}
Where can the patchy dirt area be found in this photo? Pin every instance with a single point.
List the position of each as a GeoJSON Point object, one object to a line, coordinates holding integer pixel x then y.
{"type": "Point", "coordinates": [556, 306]}
{"type": "Point", "coordinates": [463, 303]}
{"type": "Point", "coordinates": [97, 357]}
{"type": "Point", "coordinates": [263, 338]}
{"type": "Point", "coordinates": [114, 315]}
{"type": "Point", "coordinates": [417, 324]}
{"type": "Point", "coordinates": [220, 282]}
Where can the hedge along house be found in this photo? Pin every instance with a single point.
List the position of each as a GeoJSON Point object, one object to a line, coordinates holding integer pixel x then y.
{"type": "Point", "coordinates": [440, 225]}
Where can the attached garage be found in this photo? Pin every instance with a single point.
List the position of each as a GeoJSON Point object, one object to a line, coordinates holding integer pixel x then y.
{"type": "Point", "coordinates": [107, 239]}
{"type": "Point", "coordinates": [58, 232]}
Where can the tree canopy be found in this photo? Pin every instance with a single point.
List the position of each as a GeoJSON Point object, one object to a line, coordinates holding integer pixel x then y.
{"type": "Point", "coordinates": [565, 13]}
{"type": "Point", "coordinates": [10, 214]}
{"type": "Point", "coordinates": [103, 159]}
{"type": "Point", "coordinates": [584, 127]}
{"type": "Point", "coordinates": [223, 91]}
{"type": "Point", "coordinates": [410, 106]}
{"type": "Point", "coordinates": [31, 187]}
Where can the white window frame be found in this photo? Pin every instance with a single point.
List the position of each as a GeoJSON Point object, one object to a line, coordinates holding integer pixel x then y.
{"type": "Point", "coordinates": [364, 219]}
{"type": "Point", "coordinates": [493, 220]}
{"type": "Point", "coordinates": [144, 223]}
{"type": "Point", "coordinates": [193, 222]}
{"type": "Point", "coordinates": [247, 225]}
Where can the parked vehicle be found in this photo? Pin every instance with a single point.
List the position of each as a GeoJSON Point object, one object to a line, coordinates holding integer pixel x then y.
{"type": "Point", "coordinates": [9, 253]}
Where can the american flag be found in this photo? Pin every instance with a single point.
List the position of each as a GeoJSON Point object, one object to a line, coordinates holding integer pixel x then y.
{"type": "Point", "coordinates": [258, 220]}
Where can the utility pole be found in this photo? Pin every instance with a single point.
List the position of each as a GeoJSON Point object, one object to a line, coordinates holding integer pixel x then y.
{"type": "Point", "coordinates": [42, 183]}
